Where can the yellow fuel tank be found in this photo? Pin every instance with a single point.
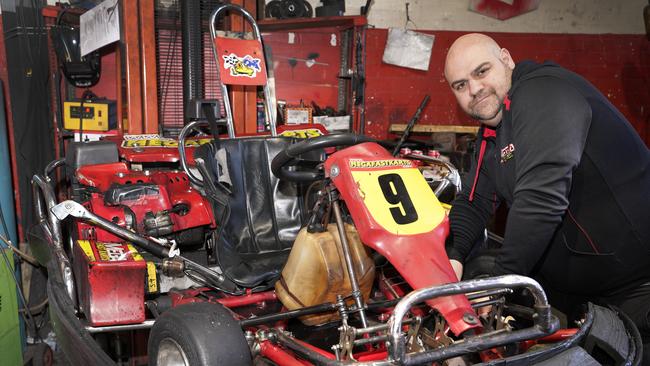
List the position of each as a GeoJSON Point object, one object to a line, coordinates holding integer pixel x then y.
{"type": "Point", "coordinates": [316, 272]}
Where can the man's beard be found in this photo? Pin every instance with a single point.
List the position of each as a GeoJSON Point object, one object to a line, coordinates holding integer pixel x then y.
{"type": "Point", "coordinates": [482, 117]}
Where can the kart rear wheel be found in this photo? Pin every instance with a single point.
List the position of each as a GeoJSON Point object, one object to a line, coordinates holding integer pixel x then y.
{"type": "Point", "coordinates": [198, 334]}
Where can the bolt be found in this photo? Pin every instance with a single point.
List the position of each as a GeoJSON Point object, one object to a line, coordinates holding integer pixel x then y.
{"type": "Point", "coordinates": [470, 319]}
{"type": "Point", "coordinates": [334, 171]}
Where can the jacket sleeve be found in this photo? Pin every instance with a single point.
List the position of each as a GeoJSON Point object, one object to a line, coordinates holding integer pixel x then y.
{"type": "Point", "coordinates": [468, 219]}
{"type": "Point", "coordinates": [550, 123]}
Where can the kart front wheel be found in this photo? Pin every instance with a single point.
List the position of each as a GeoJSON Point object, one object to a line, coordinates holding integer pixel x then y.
{"type": "Point", "coordinates": [198, 334]}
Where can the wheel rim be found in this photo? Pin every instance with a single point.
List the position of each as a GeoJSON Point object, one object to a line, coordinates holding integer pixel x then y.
{"type": "Point", "coordinates": [170, 353]}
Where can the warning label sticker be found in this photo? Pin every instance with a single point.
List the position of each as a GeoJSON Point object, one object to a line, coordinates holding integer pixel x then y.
{"type": "Point", "coordinates": [112, 252]}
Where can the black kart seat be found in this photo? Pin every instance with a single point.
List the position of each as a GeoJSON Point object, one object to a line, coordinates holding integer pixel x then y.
{"type": "Point", "coordinates": [265, 214]}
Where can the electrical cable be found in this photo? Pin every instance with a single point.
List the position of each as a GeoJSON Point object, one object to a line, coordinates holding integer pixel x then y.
{"type": "Point", "coordinates": [81, 120]}
{"type": "Point", "coordinates": [28, 314]}
{"type": "Point", "coordinates": [36, 309]}
{"type": "Point", "coordinates": [21, 18]}
{"type": "Point", "coordinates": [40, 26]}
{"type": "Point", "coordinates": [26, 257]}
{"type": "Point", "coordinates": [29, 317]}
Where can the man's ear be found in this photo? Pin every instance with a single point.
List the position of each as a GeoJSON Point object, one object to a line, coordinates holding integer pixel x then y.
{"type": "Point", "coordinates": [506, 58]}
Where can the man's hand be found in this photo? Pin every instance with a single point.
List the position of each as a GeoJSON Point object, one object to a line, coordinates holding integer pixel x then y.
{"type": "Point", "coordinates": [458, 268]}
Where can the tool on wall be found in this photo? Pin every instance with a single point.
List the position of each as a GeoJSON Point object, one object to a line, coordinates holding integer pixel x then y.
{"type": "Point", "coordinates": [409, 126]}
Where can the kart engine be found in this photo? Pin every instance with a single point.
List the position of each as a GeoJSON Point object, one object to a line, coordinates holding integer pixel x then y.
{"type": "Point", "coordinates": [161, 204]}
{"type": "Point", "coordinates": [113, 276]}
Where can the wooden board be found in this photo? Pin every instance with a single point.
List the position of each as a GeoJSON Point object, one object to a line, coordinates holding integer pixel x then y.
{"type": "Point", "coordinates": [399, 127]}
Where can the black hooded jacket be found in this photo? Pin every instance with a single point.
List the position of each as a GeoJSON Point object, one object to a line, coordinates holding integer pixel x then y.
{"type": "Point", "coordinates": [576, 178]}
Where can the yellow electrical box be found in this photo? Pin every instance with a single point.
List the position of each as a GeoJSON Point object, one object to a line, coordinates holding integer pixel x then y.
{"type": "Point", "coordinates": [96, 115]}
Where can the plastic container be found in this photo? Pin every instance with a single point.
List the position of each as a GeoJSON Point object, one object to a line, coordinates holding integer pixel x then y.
{"type": "Point", "coordinates": [316, 271]}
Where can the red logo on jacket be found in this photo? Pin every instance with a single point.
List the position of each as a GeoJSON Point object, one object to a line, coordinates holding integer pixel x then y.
{"type": "Point", "coordinates": [507, 153]}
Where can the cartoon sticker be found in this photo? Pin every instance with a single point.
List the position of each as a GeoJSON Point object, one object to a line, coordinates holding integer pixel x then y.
{"type": "Point", "coordinates": [242, 66]}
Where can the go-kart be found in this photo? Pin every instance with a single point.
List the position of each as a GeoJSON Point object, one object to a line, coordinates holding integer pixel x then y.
{"type": "Point", "coordinates": [272, 250]}
{"type": "Point", "coordinates": [281, 254]}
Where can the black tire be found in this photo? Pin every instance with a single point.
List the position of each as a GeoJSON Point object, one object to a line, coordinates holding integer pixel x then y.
{"type": "Point", "coordinates": [273, 9]}
{"type": "Point", "coordinates": [293, 9]}
{"type": "Point", "coordinates": [613, 339]}
{"type": "Point", "coordinates": [309, 10]}
{"type": "Point", "coordinates": [198, 334]}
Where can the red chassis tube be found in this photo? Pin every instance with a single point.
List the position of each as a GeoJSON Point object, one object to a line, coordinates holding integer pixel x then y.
{"type": "Point", "coordinates": [191, 295]}
{"type": "Point", "coordinates": [558, 336]}
{"type": "Point", "coordinates": [284, 357]}
{"type": "Point", "coordinates": [279, 355]}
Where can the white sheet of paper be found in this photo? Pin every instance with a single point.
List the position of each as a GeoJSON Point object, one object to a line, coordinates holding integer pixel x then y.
{"type": "Point", "coordinates": [99, 26]}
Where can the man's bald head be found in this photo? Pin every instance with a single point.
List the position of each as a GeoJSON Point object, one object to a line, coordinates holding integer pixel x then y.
{"type": "Point", "coordinates": [471, 45]}
{"type": "Point", "coordinates": [479, 73]}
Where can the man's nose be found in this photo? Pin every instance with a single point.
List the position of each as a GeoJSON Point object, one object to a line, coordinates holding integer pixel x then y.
{"type": "Point", "coordinates": [475, 87]}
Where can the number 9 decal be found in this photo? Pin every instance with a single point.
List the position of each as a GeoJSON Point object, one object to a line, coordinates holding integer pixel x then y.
{"type": "Point", "coordinates": [399, 200]}
{"type": "Point", "coordinates": [395, 193]}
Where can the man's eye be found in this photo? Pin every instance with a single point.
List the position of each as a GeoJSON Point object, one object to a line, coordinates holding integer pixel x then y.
{"type": "Point", "coordinates": [482, 72]}
{"type": "Point", "coordinates": [460, 86]}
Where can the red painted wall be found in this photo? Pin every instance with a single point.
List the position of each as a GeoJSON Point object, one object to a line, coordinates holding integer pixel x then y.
{"type": "Point", "coordinates": [618, 65]}
{"type": "Point", "coordinates": [318, 82]}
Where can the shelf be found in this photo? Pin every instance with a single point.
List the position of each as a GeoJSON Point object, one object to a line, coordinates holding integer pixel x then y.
{"type": "Point", "coordinates": [396, 127]}
{"type": "Point", "coordinates": [268, 25]}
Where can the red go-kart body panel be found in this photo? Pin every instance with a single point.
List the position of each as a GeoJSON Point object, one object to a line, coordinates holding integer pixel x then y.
{"type": "Point", "coordinates": [173, 188]}
{"type": "Point", "coordinates": [157, 149]}
{"type": "Point", "coordinates": [397, 214]}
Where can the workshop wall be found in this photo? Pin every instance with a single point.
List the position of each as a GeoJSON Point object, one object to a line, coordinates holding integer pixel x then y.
{"type": "Point", "coordinates": [618, 65]}
{"type": "Point", "coordinates": [602, 40]}
{"type": "Point", "coordinates": [306, 65]}
{"type": "Point", "coordinates": [551, 16]}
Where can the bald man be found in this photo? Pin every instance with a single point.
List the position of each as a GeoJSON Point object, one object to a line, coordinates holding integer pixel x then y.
{"type": "Point", "coordinates": [572, 170]}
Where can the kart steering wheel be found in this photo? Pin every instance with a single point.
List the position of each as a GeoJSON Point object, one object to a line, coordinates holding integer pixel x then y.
{"type": "Point", "coordinates": [285, 164]}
